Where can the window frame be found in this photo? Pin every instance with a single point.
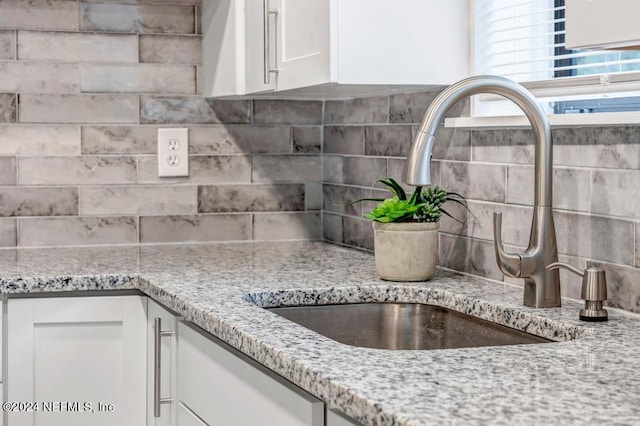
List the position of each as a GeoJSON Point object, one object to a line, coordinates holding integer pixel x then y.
{"type": "Point", "coordinates": [565, 93]}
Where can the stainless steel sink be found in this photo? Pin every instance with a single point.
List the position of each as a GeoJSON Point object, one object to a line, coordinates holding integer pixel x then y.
{"type": "Point", "coordinates": [403, 326]}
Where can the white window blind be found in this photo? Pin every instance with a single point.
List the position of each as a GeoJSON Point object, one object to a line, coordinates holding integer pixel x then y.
{"type": "Point", "coordinates": [524, 40]}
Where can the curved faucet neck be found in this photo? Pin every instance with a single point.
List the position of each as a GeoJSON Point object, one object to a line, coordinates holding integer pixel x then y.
{"type": "Point", "coordinates": [417, 169]}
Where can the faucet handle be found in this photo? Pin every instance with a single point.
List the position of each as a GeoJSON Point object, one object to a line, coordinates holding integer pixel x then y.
{"type": "Point", "coordinates": [594, 291]}
{"type": "Point", "coordinates": [509, 263]}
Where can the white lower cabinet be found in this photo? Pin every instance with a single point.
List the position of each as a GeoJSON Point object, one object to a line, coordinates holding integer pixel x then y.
{"type": "Point", "coordinates": [219, 386]}
{"type": "Point", "coordinates": [82, 360]}
{"type": "Point", "coordinates": [126, 360]}
{"type": "Point", "coordinates": [162, 366]}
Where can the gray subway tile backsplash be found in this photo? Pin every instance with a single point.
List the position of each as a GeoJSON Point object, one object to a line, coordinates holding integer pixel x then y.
{"type": "Point", "coordinates": [138, 200]}
{"type": "Point", "coordinates": [410, 107]}
{"type": "Point", "coordinates": [86, 85]}
{"type": "Point", "coordinates": [8, 232]}
{"type": "Point", "coordinates": [170, 49]}
{"type": "Point", "coordinates": [616, 147]}
{"type": "Point", "coordinates": [8, 171]}
{"type": "Point", "coordinates": [39, 14]}
{"type": "Point", "coordinates": [387, 141]}
{"type": "Point", "coordinates": [119, 139]}
{"type": "Point", "coordinates": [468, 255]}
{"type": "Point", "coordinates": [39, 77]}
{"type": "Point", "coordinates": [513, 146]}
{"type": "Point", "coordinates": [474, 180]}
{"type": "Point", "coordinates": [613, 193]}
{"type": "Point", "coordinates": [569, 187]}
{"type": "Point", "coordinates": [347, 140]}
{"type": "Point", "coordinates": [69, 231]}
{"type": "Point", "coordinates": [363, 171]}
{"type": "Point", "coordinates": [85, 108]}
{"type": "Point", "coordinates": [286, 168]}
{"type": "Point", "coordinates": [255, 197]}
{"type": "Point", "coordinates": [339, 199]}
{"type": "Point", "coordinates": [36, 139]}
{"type": "Point", "coordinates": [50, 201]}
{"type": "Point", "coordinates": [203, 169]}
{"type": "Point", "coordinates": [357, 232]}
{"type": "Point", "coordinates": [195, 228]}
{"type": "Point", "coordinates": [158, 109]}
{"type": "Point", "coordinates": [357, 111]}
{"type": "Point", "coordinates": [516, 222]}
{"type": "Point", "coordinates": [332, 228]}
{"type": "Point", "coordinates": [239, 139]}
{"type": "Point", "coordinates": [138, 78]}
{"type": "Point", "coordinates": [7, 44]}
{"type": "Point", "coordinates": [77, 47]}
{"type": "Point", "coordinates": [332, 171]}
{"type": "Point", "coordinates": [623, 289]}
{"type": "Point", "coordinates": [451, 144]}
{"type": "Point", "coordinates": [8, 112]}
{"type": "Point", "coordinates": [286, 226]}
{"type": "Point", "coordinates": [287, 112]}
{"type": "Point", "coordinates": [313, 196]}
{"type": "Point", "coordinates": [306, 139]}
{"type": "Point", "coordinates": [595, 237]}
{"type": "Point", "coordinates": [143, 18]}
{"type": "Point", "coordinates": [71, 170]}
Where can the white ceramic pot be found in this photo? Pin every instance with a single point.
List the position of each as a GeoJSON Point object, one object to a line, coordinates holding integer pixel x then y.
{"type": "Point", "coordinates": [406, 251]}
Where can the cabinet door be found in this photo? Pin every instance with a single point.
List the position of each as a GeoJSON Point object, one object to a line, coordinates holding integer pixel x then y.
{"type": "Point", "coordinates": [222, 387]}
{"type": "Point", "coordinates": [162, 370]}
{"type": "Point", "coordinates": [297, 34]}
{"type": "Point", "coordinates": [602, 23]}
{"type": "Point", "coordinates": [259, 56]}
{"type": "Point", "coordinates": [302, 30]}
{"type": "Point", "coordinates": [233, 46]}
{"type": "Point", "coordinates": [82, 359]}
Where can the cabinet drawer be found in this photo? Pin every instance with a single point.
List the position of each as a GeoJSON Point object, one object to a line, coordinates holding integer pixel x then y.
{"type": "Point", "coordinates": [223, 387]}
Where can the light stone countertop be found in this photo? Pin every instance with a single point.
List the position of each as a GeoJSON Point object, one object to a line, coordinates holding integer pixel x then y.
{"type": "Point", "coordinates": [591, 375]}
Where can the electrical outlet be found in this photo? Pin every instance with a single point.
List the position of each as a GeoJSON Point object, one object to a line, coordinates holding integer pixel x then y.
{"type": "Point", "coordinates": [173, 152]}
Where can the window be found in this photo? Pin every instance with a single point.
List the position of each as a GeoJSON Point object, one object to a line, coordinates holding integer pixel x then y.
{"type": "Point", "coordinates": [524, 40]}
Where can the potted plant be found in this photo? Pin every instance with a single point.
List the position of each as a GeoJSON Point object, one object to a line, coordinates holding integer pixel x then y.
{"type": "Point", "coordinates": [406, 230]}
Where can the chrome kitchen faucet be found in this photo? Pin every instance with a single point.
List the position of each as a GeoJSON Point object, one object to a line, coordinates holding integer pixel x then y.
{"type": "Point", "coordinates": [542, 286]}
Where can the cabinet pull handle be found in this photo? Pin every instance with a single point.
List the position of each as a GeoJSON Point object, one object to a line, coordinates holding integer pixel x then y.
{"type": "Point", "coordinates": [157, 356]}
{"type": "Point", "coordinates": [267, 45]}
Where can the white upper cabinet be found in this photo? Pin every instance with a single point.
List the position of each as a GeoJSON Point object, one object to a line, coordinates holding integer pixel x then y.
{"type": "Point", "coordinates": [602, 24]}
{"type": "Point", "coordinates": [332, 48]}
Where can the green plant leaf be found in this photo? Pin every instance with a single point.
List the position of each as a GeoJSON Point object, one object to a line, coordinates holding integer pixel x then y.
{"type": "Point", "coordinates": [394, 210]}
{"type": "Point", "coordinates": [394, 186]}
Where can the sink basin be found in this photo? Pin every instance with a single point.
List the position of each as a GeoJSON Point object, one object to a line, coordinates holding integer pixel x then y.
{"type": "Point", "coordinates": [403, 326]}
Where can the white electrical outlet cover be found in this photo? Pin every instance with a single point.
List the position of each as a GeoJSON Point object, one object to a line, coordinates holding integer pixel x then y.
{"type": "Point", "coordinates": [173, 152]}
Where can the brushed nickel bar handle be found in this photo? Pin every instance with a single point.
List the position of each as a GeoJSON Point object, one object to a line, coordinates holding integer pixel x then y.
{"type": "Point", "coordinates": [265, 17]}
{"type": "Point", "coordinates": [158, 334]}
{"type": "Point", "coordinates": [267, 43]}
